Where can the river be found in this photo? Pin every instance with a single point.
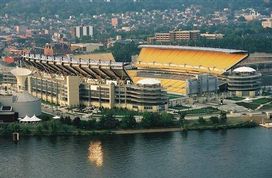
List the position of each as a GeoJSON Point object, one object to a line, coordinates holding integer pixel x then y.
{"type": "Point", "coordinates": [231, 153]}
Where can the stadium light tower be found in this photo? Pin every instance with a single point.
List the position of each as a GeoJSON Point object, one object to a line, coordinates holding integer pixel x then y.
{"type": "Point", "coordinates": [21, 74]}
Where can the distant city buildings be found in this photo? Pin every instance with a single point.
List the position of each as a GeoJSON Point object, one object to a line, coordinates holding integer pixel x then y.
{"type": "Point", "coordinates": [212, 36]}
{"type": "Point", "coordinates": [176, 36]}
{"type": "Point", "coordinates": [180, 35]}
{"type": "Point", "coordinates": [81, 31]}
{"type": "Point", "coordinates": [267, 23]}
{"type": "Point", "coordinates": [86, 47]}
{"type": "Point", "coordinates": [250, 14]}
{"type": "Point", "coordinates": [114, 22]}
{"type": "Point", "coordinates": [55, 49]}
{"type": "Point", "coordinates": [20, 29]}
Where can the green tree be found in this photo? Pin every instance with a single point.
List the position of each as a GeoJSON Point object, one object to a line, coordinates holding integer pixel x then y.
{"type": "Point", "coordinates": [128, 122]}
{"type": "Point", "coordinates": [214, 120]}
{"type": "Point", "coordinates": [223, 117]}
{"type": "Point", "coordinates": [53, 127]}
{"type": "Point", "coordinates": [166, 120]}
{"type": "Point", "coordinates": [123, 52]}
{"type": "Point", "coordinates": [67, 120]}
{"type": "Point", "coordinates": [181, 119]}
{"type": "Point", "coordinates": [201, 120]}
{"type": "Point", "coordinates": [107, 121]}
{"type": "Point", "coordinates": [25, 130]}
{"type": "Point", "coordinates": [76, 121]}
{"type": "Point", "coordinates": [150, 120]}
{"type": "Point", "coordinates": [39, 130]}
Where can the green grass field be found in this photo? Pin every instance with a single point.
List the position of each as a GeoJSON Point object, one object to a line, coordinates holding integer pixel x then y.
{"type": "Point", "coordinates": [180, 107]}
{"type": "Point", "coordinates": [172, 96]}
{"type": "Point", "coordinates": [202, 111]}
{"type": "Point", "coordinates": [236, 98]}
{"type": "Point", "coordinates": [256, 103]}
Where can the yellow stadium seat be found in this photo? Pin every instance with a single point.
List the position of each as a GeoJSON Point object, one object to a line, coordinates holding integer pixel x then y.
{"type": "Point", "coordinates": [210, 61]}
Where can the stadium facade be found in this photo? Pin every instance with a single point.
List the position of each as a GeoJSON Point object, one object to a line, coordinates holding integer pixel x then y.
{"type": "Point", "coordinates": [71, 82]}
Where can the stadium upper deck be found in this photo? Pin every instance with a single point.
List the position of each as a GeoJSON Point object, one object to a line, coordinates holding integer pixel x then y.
{"type": "Point", "coordinates": [94, 69]}
{"type": "Point", "coordinates": [189, 59]}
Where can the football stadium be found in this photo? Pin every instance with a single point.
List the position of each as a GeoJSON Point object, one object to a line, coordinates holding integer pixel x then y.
{"type": "Point", "coordinates": [175, 65]}
{"type": "Point", "coordinates": [104, 84]}
{"type": "Point", "coordinates": [141, 85]}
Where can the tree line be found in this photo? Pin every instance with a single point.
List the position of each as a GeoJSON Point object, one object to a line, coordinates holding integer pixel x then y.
{"type": "Point", "coordinates": [71, 7]}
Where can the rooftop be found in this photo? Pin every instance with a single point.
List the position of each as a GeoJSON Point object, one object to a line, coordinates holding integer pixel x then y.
{"type": "Point", "coordinates": [20, 71]}
{"type": "Point", "coordinates": [193, 48]}
{"type": "Point", "coordinates": [244, 69]}
{"type": "Point", "coordinates": [148, 81]}
{"type": "Point", "coordinates": [25, 97]}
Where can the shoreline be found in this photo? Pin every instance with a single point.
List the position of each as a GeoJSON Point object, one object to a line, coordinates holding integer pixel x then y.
{"type": "Point", "coordinates": [143, 131]}
{"type": "Point", "coordinates": [140, 131]}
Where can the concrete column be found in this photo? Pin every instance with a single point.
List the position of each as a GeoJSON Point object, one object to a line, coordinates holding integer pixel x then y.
{"type": "Point", "coordinates": [29, 85]}
{"type": "Point", "coordinates": [73, 90]}
{"type": "Point", "coordinates": [112, 95]}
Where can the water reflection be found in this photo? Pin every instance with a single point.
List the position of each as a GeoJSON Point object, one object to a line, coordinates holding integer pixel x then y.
{"type": "Point", "coordinates": [96, 153]}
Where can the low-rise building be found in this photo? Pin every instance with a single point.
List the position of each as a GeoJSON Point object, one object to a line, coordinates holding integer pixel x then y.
{"type": "Point", "coordinates": [244, 81]}
{"type": "Point", "coordinates": [267, 23]}
{"type": "Point", "coordinates": [85, 47]}
{"type": "Point", "coordinates": [212, 36]}
{"type": "Point", "coordinates": [176, 35]}
{"type": "Point", "coordinates": [22, 103]}
{"type": "Point", "coordinates": [202, 84]}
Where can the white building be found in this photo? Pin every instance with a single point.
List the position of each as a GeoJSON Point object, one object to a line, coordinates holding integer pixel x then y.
{"type": "Point", "coordinates": [267, 23]}
{"type": "Point", "coordinates": [81, 31]}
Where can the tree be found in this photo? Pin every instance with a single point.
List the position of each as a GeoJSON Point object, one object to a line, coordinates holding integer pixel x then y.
{"type": "Point", "coordinates": [150, 120]}
{"type": "Point", "coordinates": [107, 121]}
{"type": "Point", "coordinates": [39, 130]}
{"type": "Point", "coordinates": [128, 122]}
{"type": "Point", "coordinates": [67, 120]}
{"type": "Point", "coordinates": [181, 118]}
{"type": "Point", "coordinates": [62, 120]}
{"type": "Point", "coordinates": [91, 124]}
{"type": "Point", "coordinates": [242, 19]}
{"type": "Point", "coordinates": [123, 52]}
{"type": "Point", "coordinates": [214, 120]}
{"type": "Point", "coordinates": [223, 117]}
{"type": "Point", "coordinates": [166, 120]}
{"type": "Point", "coordinates": [201, 120]}
{"type": "Point", "coordinates": [88, 125]}
{"type": "Point", "coordinates": [25, 130]}
{"type": "Point", "coordinates": [76, 121]}
{"type": "Point", "coordinates": [53, 127]}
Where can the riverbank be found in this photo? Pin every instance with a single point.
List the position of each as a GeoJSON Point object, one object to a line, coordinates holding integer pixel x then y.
{"type": "Point", "coordinates": [247, 124]}
{"type": "Point", "coordinates": [55, 128]}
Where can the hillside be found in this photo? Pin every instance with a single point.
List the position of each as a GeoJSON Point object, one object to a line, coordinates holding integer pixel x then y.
{"type": "Point", "coordinates": [76, 7]}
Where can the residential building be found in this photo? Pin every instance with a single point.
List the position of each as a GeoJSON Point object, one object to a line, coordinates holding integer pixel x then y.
{"type": "Point", "coordinates": [267, 23]}
{"type": "Point", "coordinates": [81, 31]}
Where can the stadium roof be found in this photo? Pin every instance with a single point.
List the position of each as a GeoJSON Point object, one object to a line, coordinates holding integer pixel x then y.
{"type": "Point", "coordinates": [95, 56]}
{"type": "Point", "coordinates": [193, 48]}
{"type": "Point", "coordinates": [25, 97]}
{"type": "Point", "coordinates": [244, 69]}
{"type": "Point", "coordinates": [189, 59]}
{"type": "Point", "coordinates": [20, 71]}
{"type": "Point", "coordinates": [95, 69]}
